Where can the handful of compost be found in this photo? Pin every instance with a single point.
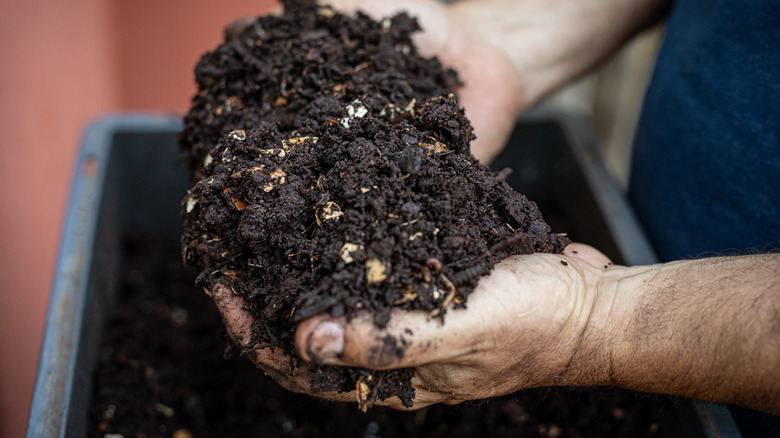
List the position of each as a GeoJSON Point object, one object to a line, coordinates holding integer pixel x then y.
{"type": "Point", "coordinates": [334, 176]}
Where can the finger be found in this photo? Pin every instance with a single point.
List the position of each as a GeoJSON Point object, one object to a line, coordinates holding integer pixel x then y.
{"type": "Point", "coordinates": [238, 322]}
{"type": "Point", "coordinates": [323, 337]}
{"type": "Point", "coordinates": [588, 254]}
{"type": "Point", "coordinates": [493, 118]}
{"type": "Point", "coordinates": [320, 339]}
{"type": "Point", "coordinates": [232, 307]}
{"type": "Point", "coordinates": [409, 339]}
{"type": "Point", "coordinates": [274, 361]}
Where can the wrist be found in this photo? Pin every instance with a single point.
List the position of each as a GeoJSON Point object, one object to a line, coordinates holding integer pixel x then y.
{"type": "Point", "coordinates": [698, 328]}
{"type": "Point", "coordinates": [613, 295]}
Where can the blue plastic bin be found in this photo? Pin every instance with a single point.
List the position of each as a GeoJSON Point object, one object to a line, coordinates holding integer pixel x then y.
{"type": "Point", "coordinates": [127, 177]}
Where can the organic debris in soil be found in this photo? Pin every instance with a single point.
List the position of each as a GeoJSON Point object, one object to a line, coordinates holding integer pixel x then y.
{"type": "Point", "coordinates": [340, 180]}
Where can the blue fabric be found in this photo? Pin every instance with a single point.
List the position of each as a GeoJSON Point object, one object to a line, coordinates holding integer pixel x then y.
{"type": "Point", "coordinates": [705, 174]}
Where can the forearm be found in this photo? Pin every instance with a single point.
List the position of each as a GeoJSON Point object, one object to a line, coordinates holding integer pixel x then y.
{"type": "Point", "coordinates": [551, 42]}
{"type": "Point", "coordinates": [707, 329]}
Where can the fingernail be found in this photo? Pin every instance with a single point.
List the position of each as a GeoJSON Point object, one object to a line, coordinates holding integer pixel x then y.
{"type": "Point", "coordinates": [326, 342]}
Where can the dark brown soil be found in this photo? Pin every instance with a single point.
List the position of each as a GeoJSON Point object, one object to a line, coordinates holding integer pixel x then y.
{"type": "Point", "coordinates": [335, 176]}
{"type": "Point", "coordinates": [161, 373]}
{"type": "Point", "coordinates": [302, 68]}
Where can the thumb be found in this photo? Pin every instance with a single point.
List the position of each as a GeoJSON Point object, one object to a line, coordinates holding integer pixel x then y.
{"type": "Point", "coordinates": [360, 343]}
{"type": "Point", "coordinates": [413, 338]}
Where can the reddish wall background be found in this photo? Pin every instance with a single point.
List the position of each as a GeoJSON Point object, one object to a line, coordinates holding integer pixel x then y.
{"type": "Point", "coordinates": [64, 63]}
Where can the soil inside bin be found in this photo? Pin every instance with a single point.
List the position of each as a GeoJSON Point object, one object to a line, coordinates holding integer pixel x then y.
{"type": "Point", "coordinates": [335, 176]}
{"type": "Point", "coordinates": [161, 373]}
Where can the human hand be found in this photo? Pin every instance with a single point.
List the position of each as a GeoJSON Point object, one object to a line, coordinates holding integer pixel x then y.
{"type": "Point", "coordinates": [491, 93]}
{"type": "Point", "coordinates": [526, 326]}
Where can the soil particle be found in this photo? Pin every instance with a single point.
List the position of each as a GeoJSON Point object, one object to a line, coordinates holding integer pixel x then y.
{"type": "Point", "coordinates": [334, 175]}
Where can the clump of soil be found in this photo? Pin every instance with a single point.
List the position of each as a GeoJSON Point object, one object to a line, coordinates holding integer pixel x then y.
{"type": "Point", "coordinates": [335, 176]}
{"type": "Point", "coordinates": [304, 67]}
